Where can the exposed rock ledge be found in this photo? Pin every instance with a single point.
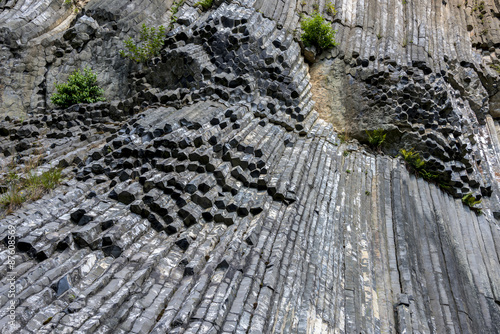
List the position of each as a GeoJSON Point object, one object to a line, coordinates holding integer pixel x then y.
{"type": "Point", "coordinates": [208, 197]}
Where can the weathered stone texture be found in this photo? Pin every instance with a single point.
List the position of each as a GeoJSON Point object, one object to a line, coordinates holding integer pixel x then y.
{"type": "Point", "coordinates": [207, 196]}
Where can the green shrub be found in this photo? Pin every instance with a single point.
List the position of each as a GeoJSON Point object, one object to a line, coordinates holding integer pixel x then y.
{"type": "Point", "coordinates": [376, 137]}
{"type": "Point", "coordinates": [150, 43]}
{"type": "Point", "coordinates": [318, 32]}
{"type": "Point", "coordinates": [81, 88]}
{"type": "Point", "coordinates": [205, 4]}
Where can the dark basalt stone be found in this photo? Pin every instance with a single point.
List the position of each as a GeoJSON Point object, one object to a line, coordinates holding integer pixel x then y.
{"type": "Point", "coordinates": [62, 286]}
{"type": "Point", "coordinates": [229, 198]}
{"type": "Point", "coordinates": [77, 215]}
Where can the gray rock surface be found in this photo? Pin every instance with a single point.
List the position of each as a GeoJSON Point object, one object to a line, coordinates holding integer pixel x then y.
{"type": "Point", "coordinates": [208, 196]}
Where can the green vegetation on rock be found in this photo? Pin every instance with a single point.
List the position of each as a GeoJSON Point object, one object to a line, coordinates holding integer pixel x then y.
{"type": "Point", "coordinates": [412, 158]}
{"type": "Point", "coordinates": [175, 9]}
{"type": "Point", "coordinates": [150, 43]}
{"type": "Point", "coordinates": [330, 8]}
{"type": "Point", "coordinates": [205, 4]}
{"type": "Point", "coordinates": [29, 187]}
{"type": "Point", "coordinates": [496, 67]}
{"type": "Point", "coordinates": [471, 202]}
{"type": "Point", "coordinates": [81, 88]}
{"type": "Point", "coordinates": [417, 164]}
{"type": "Point", "coordinates": [376, 138]}
{"type": "Point", "coordinates": [318, 32]}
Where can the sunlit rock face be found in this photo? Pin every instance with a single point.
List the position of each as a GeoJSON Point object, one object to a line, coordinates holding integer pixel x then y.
{"type": "Point", "coordinates": [226, 186]}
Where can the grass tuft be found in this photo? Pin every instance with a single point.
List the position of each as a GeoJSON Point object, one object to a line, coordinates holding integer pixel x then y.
{"type": "Point", "coordinates": [28, 188]}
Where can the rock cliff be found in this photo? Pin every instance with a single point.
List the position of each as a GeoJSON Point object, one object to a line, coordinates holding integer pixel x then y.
{"type": "Point", "coordinates": [225, 187]}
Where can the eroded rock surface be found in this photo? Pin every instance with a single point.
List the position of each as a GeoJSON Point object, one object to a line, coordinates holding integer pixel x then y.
{"type": "Point", "coordinates": [207, 196]}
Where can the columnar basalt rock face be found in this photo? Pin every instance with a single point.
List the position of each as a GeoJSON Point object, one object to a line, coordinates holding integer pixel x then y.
{"type": "Point", "coordinates": [429, 90]}
{"type": "Point", "coordinates": [207, 196]}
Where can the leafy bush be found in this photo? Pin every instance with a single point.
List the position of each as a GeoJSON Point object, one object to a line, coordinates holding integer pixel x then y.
{"type": "Point", "coordinates": [150, 43]}
{"type": "Point", "coordinates": [318, 32]}
{"type": "Point", "coordinates": [376, 137]}
{"type": "Point", "coordinates": [205, 4]}
{"type": "Point", "coordinates": [81, 88]}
